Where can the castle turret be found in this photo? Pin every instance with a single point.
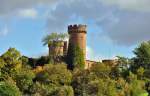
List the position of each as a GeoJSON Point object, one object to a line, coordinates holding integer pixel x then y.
{"type": "Point", "coordinates": [58, 48]}
{"type": "Point", "coordinates": [77, 37]}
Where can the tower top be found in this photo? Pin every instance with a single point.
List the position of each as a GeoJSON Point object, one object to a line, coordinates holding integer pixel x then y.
{"type": "Point", "coordinates": [77, 28]}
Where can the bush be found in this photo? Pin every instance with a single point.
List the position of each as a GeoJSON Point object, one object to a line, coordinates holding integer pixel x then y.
{"type": "Point", "coordinates": [9, 89]}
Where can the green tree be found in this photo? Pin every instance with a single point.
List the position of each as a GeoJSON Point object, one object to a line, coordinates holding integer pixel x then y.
{"type": "Point", "coordinates": [24, 79]}
{"type": "Point", "coordinates": [39, 89]}
{"type": "Point", "coordinates": [106, 87]}
{"type": "Point", "coordinates": [140, 72]}
{"type": "Point", "coordinates": [142, 53]}
{"type": "Point", "coordinates": [86, 83]}
{"type": "Point", "coordinates": [13, 62]}
{"type": "Point", "coordinates": [54, 80]}
{"type": "Point", "coordinates": [122, 68]}
{"type": "Point", "coordinates": [101, 70]}
{"type": "Point", "coordinates": [137, 88]}
{"type": "Point", "coordinates": [49, 39]}
{"type": "Point", "coordinates": [63, 91]}
{"type": "Point", "coordinates": [9, 89]}
{"type": "Point", "coordinates": [81, 82]}
{"type": "Point", "coordinates": [2, 63]}
{"type": "Point", "coordinates": [55, 74]}
{"type": "Point", "coordinates": [25, 60]}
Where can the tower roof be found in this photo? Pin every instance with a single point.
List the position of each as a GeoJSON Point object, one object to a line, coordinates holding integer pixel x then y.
{"type": "Point", "coordinates": [77, 28]}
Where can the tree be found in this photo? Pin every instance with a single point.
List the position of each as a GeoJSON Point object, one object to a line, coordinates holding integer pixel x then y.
{"type": "Point", "coordinates": [13, 62]}
{"type": "Point", "coordinates": [89, 83]}
{"type": "Point", "coordinates": [2, 63]}
{"type": "Point", "coordinates": [24, 79]}
{"type": "Point", "coordinates": [142, 58]}
{"type": "Point", "coordinates": [63, 91]}
{"type": "Point", "coordinates": [122, 68]}
{"type": "Point", "coordinates": [81, 82]}
{"type": "Point", "coordinates": [55, 74]}
{"type": "Point", "coordinates": [75, 57]}
{"type": "Point", "coordinates": [42, 60]}
{"type": "Point", "coordinates": [54, 80]}
{"type": "Point", "coordinates": [25, 60]}
{"type": "Point", "coordinates": [101, 70]}
{"type": "Point", "coordinates": [137, 88]}
{"type": "Point", "coordinates": [49, 39]}
{"type": "Point", "coordinates": [142, 53]}
{"type": "Point", "coordinates": [140, 72]}
{"type": "Point", "coordinates": [106, 87]}
{"type": "Point", "coordinates": [9, 89]}
{"type": "Point", "coordinates": [40, 89]}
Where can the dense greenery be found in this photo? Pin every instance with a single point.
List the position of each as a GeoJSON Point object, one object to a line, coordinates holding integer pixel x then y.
{"type": "Point", "coordinates": [19, 77]}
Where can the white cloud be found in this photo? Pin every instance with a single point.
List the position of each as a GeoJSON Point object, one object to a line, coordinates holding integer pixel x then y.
{"type": "Point", "coordinates": [28, 13]}
{"type": "Point", "coordinates": [91, 55]}
{"type": "Point", "coordinates": [124, 27]}
{"type": "Point", "coordinates": [4, 31]}
{"type": "Point", "coordinates": [132, 5]}
{"type": "Point", "coordinates": [9, 6]}
{"type": "Point", "coordinates": [125, 22]}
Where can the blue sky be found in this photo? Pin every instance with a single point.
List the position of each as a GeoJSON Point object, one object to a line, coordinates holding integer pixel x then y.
{"type": "Point", "coordinates": [115, 27]}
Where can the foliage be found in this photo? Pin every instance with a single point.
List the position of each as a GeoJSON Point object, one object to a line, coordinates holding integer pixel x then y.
{"type": "Point", "coordinates": [101, 70]}
{"type": "Point", "coordinates": [2, 63]}
{"type": "Point", "coordinates": [137, 88]}
{"type": "Point", "coordinates": [122, 68]}
{"type": "Point", "coordinates": [129, 78]}
{"type": "Point", "coordinates": [142, 53]}
{"type": "Point", "coordinates": [13, 62]}
{"type": "Point", "coordinates": [49, 39]}
{"type": "Point", "coordinates": [86, 83]}
{"type": "Point", "coordinates": [25, 60]}
{"type": "Point", "coordinates": [140, 72]}
{"type": "Point", "coordinates": [24, 79]}
{"type": "Point", "coordinates": [9, 89]}
{"type": "Point", "coordinates": [75, 57]}
{"type": "Point", "coordinates": [39, 89]}
{"type": "Point", "coordinates": [106, 88]}
{"type": "Point", "coordinates": [63, 91]}
{"type": "Point", "coordinates": [42, 60]}
{"type": "Point", "coordinates": [55, 74]}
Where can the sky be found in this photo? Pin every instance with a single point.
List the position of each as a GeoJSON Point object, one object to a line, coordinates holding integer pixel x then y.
{"type": "Point", "coordinates": [114, 27]}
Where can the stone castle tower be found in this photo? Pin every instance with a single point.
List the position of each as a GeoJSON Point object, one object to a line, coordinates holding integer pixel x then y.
{"type": "Point", "coordinates": [58, 48]}
{"type": "Point", "coordinates": [77, 36]}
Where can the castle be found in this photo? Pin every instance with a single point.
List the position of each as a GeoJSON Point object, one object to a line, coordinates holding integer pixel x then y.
{"type": "Point", "coordinates": [77, 37]}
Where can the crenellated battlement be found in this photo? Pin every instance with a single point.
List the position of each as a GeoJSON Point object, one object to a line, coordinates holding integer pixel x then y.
{"type": "Point", "coordinates": [77, 28]}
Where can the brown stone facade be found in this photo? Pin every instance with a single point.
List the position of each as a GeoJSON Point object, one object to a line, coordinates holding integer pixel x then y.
{"type": "Point", "coordinates": [58, 48]}
{"type": "Point", "coordinates": [77, 36]}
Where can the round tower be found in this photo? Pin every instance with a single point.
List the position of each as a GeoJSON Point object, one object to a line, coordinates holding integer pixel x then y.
{"type": "Point", "coordinates": [77, 36]}
{"type": "Point", "coordinates": [57, 48]}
